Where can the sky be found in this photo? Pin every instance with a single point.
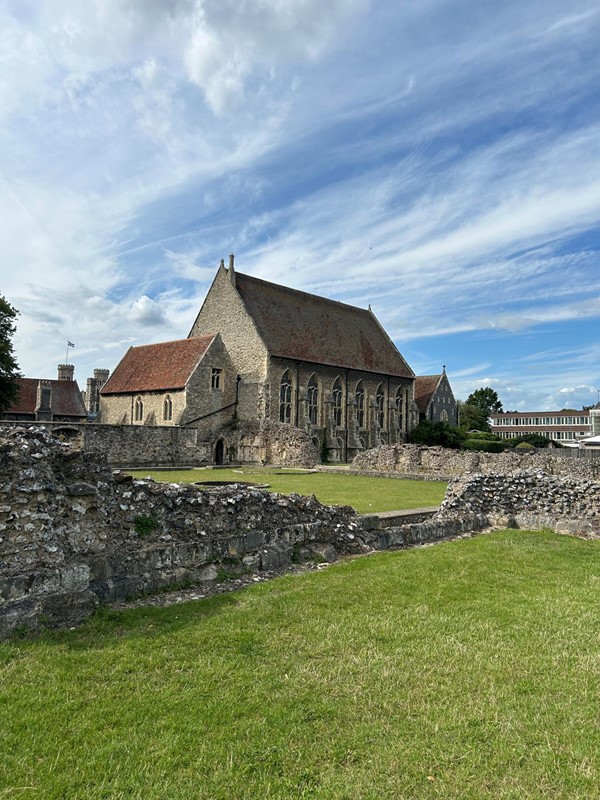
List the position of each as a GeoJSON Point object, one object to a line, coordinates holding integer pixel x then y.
{"type": "Point", "coordinates": [437, 159]}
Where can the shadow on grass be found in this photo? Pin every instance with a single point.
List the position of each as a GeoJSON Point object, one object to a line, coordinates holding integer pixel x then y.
{"type": "Point", "coordinates": [108, 624]}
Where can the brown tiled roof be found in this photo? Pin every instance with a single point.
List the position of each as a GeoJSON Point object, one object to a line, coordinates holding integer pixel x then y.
{"type": "Point", "coordinates": [66, 398]}
{"type": "Point", "coordinates": [307, 327]}
{"type": "Point", "coordinates": [157, 367]}
{"type": "Point", "coordinates": [425, 386]}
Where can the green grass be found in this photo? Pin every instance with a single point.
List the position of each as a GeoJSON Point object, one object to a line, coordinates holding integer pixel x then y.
{"type": "Point", "coordinates": [466, 670]}
{"type": "Point", "coordinates": [363, 493]}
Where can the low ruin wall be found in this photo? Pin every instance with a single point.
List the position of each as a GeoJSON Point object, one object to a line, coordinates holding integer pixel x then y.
{"type": "Point", "coordinates": [173, 446]}
{"type": "Point", "coordinates": [525, 499]}
{"type": "Point", "coordinates": [443, 463]}
{"type": "Point", "coordinates": [74, 536]}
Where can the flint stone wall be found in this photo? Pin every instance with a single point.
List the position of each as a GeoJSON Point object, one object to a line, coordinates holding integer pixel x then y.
{"type": "Point", "coordinates": [443, 463]}
{"type": "Point", "coordinates": [74, 536]}
{"type": "Point", "coordinates": [173, 446]}
{"type": "Point", "coordinates": [525, 499]}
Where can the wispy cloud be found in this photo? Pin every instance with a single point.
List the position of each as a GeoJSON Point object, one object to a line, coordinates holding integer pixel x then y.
{"type": "Point", "coordinates": [440, 164]}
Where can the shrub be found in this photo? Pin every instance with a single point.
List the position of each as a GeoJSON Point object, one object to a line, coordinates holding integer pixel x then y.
{"type": "Point", "coordinates": [483, 446]}
{"type": "Point", "coordinates": [535, 439]}
{"type": "Point", "coordinates": [436, 433]}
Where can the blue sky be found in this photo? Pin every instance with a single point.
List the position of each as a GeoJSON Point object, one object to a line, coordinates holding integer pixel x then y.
{"type": "Point", "coordinates": [438, 159]}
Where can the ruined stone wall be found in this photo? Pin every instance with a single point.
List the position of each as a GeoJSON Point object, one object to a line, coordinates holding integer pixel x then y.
{"type": "Point", "coordinates": [526, 500]}
{"type": "Point", "coordinates": [147, 446]}
{"type": "Point", "coordinates": [74, 536]}
{"type": "Point", "coordinates": [440, 462]}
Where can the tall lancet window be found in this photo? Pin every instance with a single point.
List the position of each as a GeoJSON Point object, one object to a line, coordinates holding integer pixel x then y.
{"type": "Point", "coordinates": [313, 400]}
{"type": "Point", "coordinates": [336, 396]}
{"type": "Point", "coordinates": [285, 397]}
{"type": "Point", "coordinates": [359, 397]}
{"type": "Point", "coordinates": [380, 402]}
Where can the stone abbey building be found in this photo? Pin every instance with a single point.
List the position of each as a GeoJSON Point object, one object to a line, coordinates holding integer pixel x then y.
{"type": "Point", "coordinates": [259, 353]}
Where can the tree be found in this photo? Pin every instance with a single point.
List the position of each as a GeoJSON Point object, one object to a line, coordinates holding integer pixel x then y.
{"type": "Point", "coordinates": [436, 433]}
{"type": "Point", "coordinates": [486, 399]}
{"type": "Point", "coordinates": [9, 369]}
{"type": "Point", "coordinates": [472, 417]}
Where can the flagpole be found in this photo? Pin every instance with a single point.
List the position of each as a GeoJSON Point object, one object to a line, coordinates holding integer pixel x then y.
{"type": "Point", "coordinates": [67, 356]}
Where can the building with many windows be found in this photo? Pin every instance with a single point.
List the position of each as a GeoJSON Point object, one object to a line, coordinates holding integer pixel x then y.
{"type": "Point", "coordinates": [562, 426]}
{"type": "Point", "coordinates": [258, 351]}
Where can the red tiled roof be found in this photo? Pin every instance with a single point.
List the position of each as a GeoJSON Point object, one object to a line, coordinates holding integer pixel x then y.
{"type": "Point", "coordinates": [307, 327]}
{"type": "Point", "coordinates": [425, 386]}
{"type": "Point", "coordinates": [66, 398]}
{"type": "Point", "coordinates": [157, 367]}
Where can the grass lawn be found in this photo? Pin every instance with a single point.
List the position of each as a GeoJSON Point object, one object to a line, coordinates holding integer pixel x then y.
{"type": "Point", "coordinates": [363, 493]}
{"type": "Point", "coordinates": [467, 670]}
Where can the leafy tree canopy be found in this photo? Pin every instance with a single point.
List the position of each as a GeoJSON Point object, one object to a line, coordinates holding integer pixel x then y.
{"type": "Point", "coordinates": [472, 418]}
{"type": "Point", "coordinates": [436, 433]}
{"type": "Point", "coordinates": [9, 369]}
{"type": "Point", "coordinates": [486, 399]}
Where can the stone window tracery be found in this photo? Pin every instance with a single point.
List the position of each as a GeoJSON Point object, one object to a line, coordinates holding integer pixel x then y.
{"type": "Point", "coordinates": [336, 396]}
{"type": "Point", "coordinates": [400, 406]}
{"type": "Point", "coordinates": [379, 401]}
{"type": "Point", "coordinates": [313, 400]}
{"type": "Point", "coordinates": [138, 412]}
{"type": "Point", "coordinates": [285, 397]}
{"type": "Point", "coordinates": [359, 397]}
{"type": "Point", "coordinates": [168, 409]}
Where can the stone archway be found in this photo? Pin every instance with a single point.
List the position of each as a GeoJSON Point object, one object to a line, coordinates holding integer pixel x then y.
{"type": "Point", "coordinates": [220, 452]}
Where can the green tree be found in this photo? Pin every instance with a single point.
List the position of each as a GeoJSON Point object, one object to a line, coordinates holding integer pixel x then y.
{"type": "Point", "coordinates": [9, 369]}
{"type": "Point", "coordinates": [436, 433]}
{"type": "Point", "coordinates": [486, 399]}
{"type": "Point", "coordinates": [472, 417]}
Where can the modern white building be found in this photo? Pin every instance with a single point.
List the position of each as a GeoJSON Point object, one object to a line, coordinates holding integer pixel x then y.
{"type": "Point", "coordinates": [561, 426]}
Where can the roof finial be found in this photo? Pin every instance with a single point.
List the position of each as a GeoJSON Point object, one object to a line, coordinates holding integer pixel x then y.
{"type": "Point", "coordinates": [222, 264]}
{"type": "Point", "coordinates": [443, 367]}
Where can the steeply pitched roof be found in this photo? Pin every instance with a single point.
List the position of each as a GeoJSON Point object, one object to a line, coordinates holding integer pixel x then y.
{"type": "Point", "coordinates": [307, 327]}
{"type": "Point", "coordinates": [157, 367]}
{"type": "Point", "coordinates": [66, 398]}
{"type": "Point", "coordinates": [425, 386]}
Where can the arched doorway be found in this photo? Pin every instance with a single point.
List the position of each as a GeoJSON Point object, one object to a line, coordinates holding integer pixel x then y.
{"type": "Point", "coordinates": [219, 452]}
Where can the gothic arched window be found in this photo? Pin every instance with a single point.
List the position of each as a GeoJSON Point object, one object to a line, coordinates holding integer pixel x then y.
{"type": "Point", "coordinates": [336, 396]}
{"type": "Point", "coordinates": [400, 406]}
{"type": "Point", "coordinates": [168, 409]}
{"type": "Point", "coordinates": [285, 397]}
{"type": "Point", "coordinates": [138, 412]}
{"type": "Point", "coordinates": [313, 400]}
{"type": "Point", "coordinates": [359, 397]}
{"type": "Point", "coordinates": [379, 400]}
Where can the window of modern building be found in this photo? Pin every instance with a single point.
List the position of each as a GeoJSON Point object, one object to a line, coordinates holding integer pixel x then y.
{"type": "Point", "coordinates": [313, 400]}
{"type": "Point", "coordinates": [168, 409]}
{"type": "Point", "coordinates": [138, 411]}
{"type": "Point", "coordinates": [336, 396]}
{"type": "Point", "coordinates": [359, 397]}
{"type": "Point", "coordinates": [285, 397]}
{"type": "Point", "coordinates": [216, 378]}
